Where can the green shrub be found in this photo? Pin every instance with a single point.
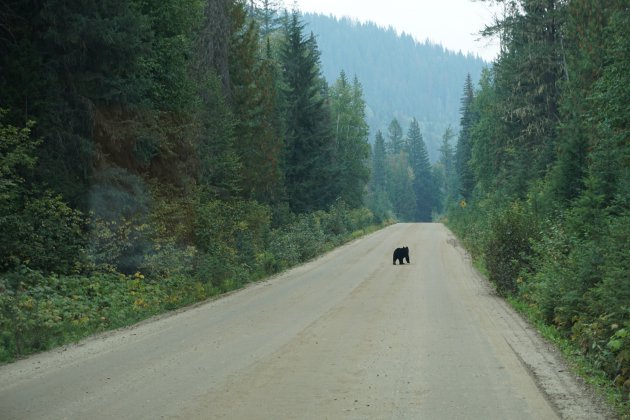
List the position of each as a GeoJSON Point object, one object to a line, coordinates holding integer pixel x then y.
{"type": "Point", "coordinates": [508, 248]}
{"type": "Point", "coordinates": [39, 310]}
{"type": "Point", "coordinates": [39, 229]}
{"type": "Point", "coordinates": [230, 235]}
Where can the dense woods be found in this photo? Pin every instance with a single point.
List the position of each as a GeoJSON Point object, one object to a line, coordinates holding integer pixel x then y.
{"type": "Point", "coordinates": [543, 172]}
{"type": "Point", "coordinates": [403, 78]}
{"type": "Point", "coordinates": [156, 153]}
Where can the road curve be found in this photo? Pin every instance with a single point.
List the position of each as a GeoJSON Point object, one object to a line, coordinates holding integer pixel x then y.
{"type": "Point", "coordinates": [348, 335]}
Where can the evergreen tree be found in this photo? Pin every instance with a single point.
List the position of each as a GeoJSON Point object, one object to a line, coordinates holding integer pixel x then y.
{"type": "Point", "coordinates": [214, 41]}
{"type": "Point", "coordinates": [447, 172]}
{"type": "Point", "coordinates": [400, 189]}
{"type": "Point", "coordinates": [309, 173]}
{"type": "Point", "coordinates": [527, 81]}
{"type": "Point", "coordinates": [219, 165]}
{"type": "Point", "coordinates": [487, 136]}
{"type": "Point", "coordinates": [464, 142]}
{"type": "Point", "coordinates": [395, 136]}
{"type": "Point", "coordinates": [267, 12]}
{"type": "Point", "coordinates": [257, 130]}
{"type": "Point", "coordinates": [583, 55]}
{"type": "Point", "coordinates": [351, 139]}
{"type": "Point", "coordinates": [422, 183]}
{"type": "Point", "coordinates": [379, 169]}
{"type": "Point", "coordinates": [378, 197]}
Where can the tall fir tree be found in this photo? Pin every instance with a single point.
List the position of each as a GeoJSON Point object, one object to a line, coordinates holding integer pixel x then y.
{"type": "Point", "coordinates": [400, 192]}
{"type": "Point", "coordinates": [267, 13]}
{"type": "Point", "coordinates": [379, 169]}
{"type": "Point", "coordinates": [447, 172]}
{"type": "Point", "coordinates": [463, 152]}
{"type": "Point", "coordinates": [422, 183]}
{"type": "Point", "coordinates": [253, 101]}
{"type": "Point", "coordinates": [310, 174]}
{"type": "Point", "coordinates": [377, 198]}
{"type": "Point", "coordinates": [395, 136]}
{"type": "Point", "coordinates": [351, 139]}
{"type": "Point", "coordinates": [528, 76]}
{"type": "Point", "coordinates": [219, 165]}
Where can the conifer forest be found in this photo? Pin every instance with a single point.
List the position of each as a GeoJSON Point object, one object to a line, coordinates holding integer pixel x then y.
{"type": "Point", "coordinates": [154, 154]}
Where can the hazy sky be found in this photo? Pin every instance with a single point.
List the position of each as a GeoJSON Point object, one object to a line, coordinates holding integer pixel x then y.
{"type": "Point", "coordinates": [451, 23]}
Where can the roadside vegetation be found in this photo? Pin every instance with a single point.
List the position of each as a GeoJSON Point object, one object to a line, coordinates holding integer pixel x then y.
{"type": "Point", "coordinates": [155, 154]}
{"type": "Point", "coordinates": [543, 176]}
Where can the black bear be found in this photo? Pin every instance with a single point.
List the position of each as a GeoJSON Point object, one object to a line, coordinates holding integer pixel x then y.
{"type": "Point", "coordinates": [400, 253]}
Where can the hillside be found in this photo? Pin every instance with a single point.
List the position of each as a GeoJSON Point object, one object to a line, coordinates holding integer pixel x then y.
{"type": "Point", "coordinates": [401, 77]}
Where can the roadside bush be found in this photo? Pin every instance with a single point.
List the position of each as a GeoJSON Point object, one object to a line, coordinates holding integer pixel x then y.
{"type": "Point", "coordinates": [509, 246]}
{"type": "Point", "coordinates": [39, 229]}
{"type": "Point", "coordinates": [234, 245]}
{"type": "Point", "coordinates": [603, 326]}
{"type": "Point", "coordinates": [38, 311]}
{"type": "Point", "coordinates": [229, 236]}
{"type": "Point", "coordinates": [44, 234]}
{"type": "Point", "coordinates": [336, 221]}
{"type": "Point", "coordinates": [119, 245]}
{"type": "Point", "coordinates": [470, 222]}
{"type": "Point", "coordinates": [283, 250]}
{"type": "Point", "coordinates": [361, 218]}
{"type": "Point", "coordinates": [168, 259]}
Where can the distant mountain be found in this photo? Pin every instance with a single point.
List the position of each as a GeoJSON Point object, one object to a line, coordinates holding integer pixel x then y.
{"type": "Point", "coordinates": [401, 77]}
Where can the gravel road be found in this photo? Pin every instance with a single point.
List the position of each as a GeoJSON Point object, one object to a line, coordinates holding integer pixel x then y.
{"type": "Point", "coordinates": [347, 336]}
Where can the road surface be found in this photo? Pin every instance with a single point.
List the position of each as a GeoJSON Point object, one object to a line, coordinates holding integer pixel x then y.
{"type": "Point", "coordinates": [347, 336]}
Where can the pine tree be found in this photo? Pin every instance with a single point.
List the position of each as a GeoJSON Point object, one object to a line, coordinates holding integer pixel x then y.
{"type": "Point", "coordinates": [378, 198]}
{"type": "Point", "coordinates": [396, 142]}
{"type": "Point", "coordinates": [448, 175]}
{"type": "Point", "coordinates": [351, 139]}
{"type": "Point", "coordinates": [423, 185]}
{"type": "Point", "coordinates": [309, 170]}
{"type": "Point", "coordinates": [219, 165]}
{"type": "Point", "coordinates": [464, 142]}
{"type": "Point", "coordinates": [527, 81]}
{"type": "Point", "coordinates": [379, 163]}
{"type": "Point", "coordinates": [253, 101]}
{"type": "Point", "coordinates": [583, 55]}
{"type": "Point", "coordinates": [267, 13]}
{"type": "Point", "coordinates": [400, 190]}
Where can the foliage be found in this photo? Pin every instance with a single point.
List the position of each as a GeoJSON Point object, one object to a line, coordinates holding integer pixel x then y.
{"type": "Point", "coordinates": [445, 174]}
{"type": "Point", "coordinates": [351, 139]}
{"type": "Point", "coordinates": [257, 126]}
{"type": "Point", "coordinates": [464, 142]}
{"type": "Point", "coordinates": [39, 229]}
{"type": "Point", "coordinates": [549, 209]}
{"type": "Point", "coordinates": [46, 311]}
{"type": "Point", "coordinates": [182, 149]}
{"type": "Point", "coordinates": [507, 248]}
{"type": "Point", "coordinates": [310, 176]}
{"type": "Point", "coordinates": [39, 310]}
{"type": "Point", "coordinates": [423, 184]}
